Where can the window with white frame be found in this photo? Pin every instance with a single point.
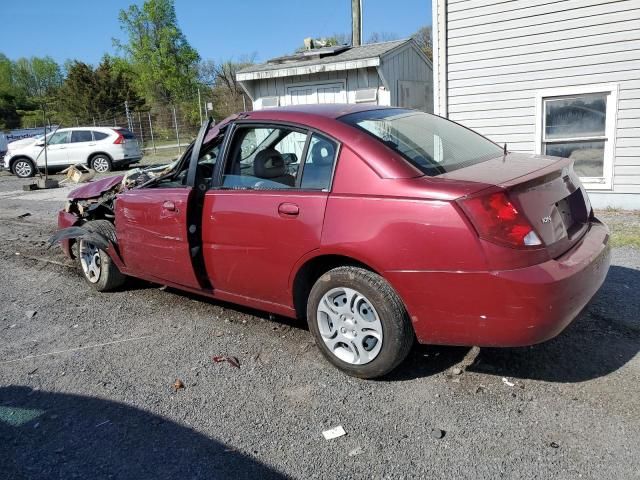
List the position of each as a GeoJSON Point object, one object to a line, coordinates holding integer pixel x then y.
{"type": "Point", "coordinates": [579, 123]}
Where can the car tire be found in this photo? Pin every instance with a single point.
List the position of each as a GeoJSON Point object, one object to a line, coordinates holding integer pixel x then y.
{"type": "Point", "coordinates": [94, 264]}
{"type": "Point", "coordinates": [362, 326]}
{"type": "Point", "coordinates": [23, 168]}
{"type": "Point", "coordinates": [101, 163]}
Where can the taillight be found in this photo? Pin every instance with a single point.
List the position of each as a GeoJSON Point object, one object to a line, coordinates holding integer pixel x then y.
{"type": "Point", "coordinates": [497, 220]}
{"type": "Point", "coordinates": [120, 139]}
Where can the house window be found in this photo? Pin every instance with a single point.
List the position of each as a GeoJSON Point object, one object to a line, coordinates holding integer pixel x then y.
{"type": "Point", "coordinates": [579, 124]}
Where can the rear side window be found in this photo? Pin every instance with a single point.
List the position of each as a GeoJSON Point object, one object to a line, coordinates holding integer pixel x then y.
{"type": "Point", "coordinates": [430, 143]}
{"type": "Point", "coordinates": [99, 135]}
{"type": "Point", "coordinates": [126, 133]}
{"type": "Point", "coordinates": [318, 165]}
{"type": "Point", "coordinates": [81, 136]}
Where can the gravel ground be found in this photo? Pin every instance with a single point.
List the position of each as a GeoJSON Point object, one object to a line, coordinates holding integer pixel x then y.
{"type": "Point", "coordinates": [86, 385]}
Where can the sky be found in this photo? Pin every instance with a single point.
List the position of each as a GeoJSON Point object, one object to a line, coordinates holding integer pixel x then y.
{"type": "Point", "coordinates": [219, 30]}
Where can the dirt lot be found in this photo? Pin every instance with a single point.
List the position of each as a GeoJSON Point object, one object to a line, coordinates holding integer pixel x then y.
{"type": "Point", "coordinates": [86, 384]}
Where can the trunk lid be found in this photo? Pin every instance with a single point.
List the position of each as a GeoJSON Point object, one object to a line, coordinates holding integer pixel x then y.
{"type": "Point", "coordinates": [546, 190]}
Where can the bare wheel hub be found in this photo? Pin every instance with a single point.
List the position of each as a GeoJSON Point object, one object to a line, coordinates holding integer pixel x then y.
{"type": "Point", "coordinates": [90, 261]}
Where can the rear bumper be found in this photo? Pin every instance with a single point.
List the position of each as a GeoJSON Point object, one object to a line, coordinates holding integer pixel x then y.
{"type": "Point", "coordinates": [506, 308]}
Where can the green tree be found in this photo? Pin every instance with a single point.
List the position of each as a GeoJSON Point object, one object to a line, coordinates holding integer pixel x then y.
{"type": "Point", "coordinates": [37, 78]}
{"type": "Point", "coordinates": [89, 93]}
{"type": "Point", "coordinates": [164, 63]}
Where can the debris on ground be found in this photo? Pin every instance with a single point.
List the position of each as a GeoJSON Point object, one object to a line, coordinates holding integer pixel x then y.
{"type": "Point", "coordinates": [437, 433]}
{"type": "Point", "coordinates": [554, 445]}
{"type": "Point", "coordinates": [456, 371]}
{"type": "Point", "coordinates": [78, 173]}
{"type": "Point", "coordinates": [23, 215]}
{"type": "Point", "coordinates": [480, 389]}
{"type": "Point", "coordinates": [30, 313]}
{"type": "Point", "coordinates": [334, 432]}
{"type": "Point", "coordinates": [178, 385]}
{"type": "Point", "coordinates": [507, 382]}
{"type": "Point", "coordinates": [233, 361]}
{"type": "Point", "coordinates": [356, 451]}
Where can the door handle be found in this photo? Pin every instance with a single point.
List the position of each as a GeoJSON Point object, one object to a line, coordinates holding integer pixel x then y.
{"type": "Point", "coordinates": [169, 205]}
{"type": "Point", "coordinates": [288, 209]}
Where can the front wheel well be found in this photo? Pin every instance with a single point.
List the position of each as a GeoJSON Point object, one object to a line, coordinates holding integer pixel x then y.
{"type": "Point", "coordinates": [20, 157]}
{"type": "Point", "coordinates": [311, 271]}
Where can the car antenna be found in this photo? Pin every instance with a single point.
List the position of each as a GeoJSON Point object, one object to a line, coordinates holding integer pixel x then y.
{"type": "Point", "coordinates": [504, 149]}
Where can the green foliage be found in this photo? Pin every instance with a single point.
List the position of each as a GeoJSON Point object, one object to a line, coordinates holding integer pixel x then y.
{"type": "Point", "coordinates": [164, 63]}
{"type": "Point", "coordinates": [9, 117]}
{"type": "Point", "coordinates": [37, 78]}
{"type": "Point", "coordinates": [89, 93]}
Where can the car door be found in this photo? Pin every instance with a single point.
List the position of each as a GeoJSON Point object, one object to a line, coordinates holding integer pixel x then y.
{"type": "Point", "coordinates": [154, 227]}
{"type": "Point", "coordinates": [79, 146]}
{"type": "Point", "coordinates": [260, 218]}
{"type": "Point", "coordinates": [57, 145]}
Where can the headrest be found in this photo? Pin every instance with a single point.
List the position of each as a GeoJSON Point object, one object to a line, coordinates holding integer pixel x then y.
{"type": "Point", "coordinates": [322, 153]}
{"type": "Point", "coordinates": [269, 164]}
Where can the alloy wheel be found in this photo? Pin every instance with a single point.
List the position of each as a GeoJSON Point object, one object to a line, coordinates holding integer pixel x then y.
{"type": "Point", "coordinates": [23, 168]}
{"type": "Point", "coordinates": [349, 326]}
{"type": "Point", "coordinates": [100, 164]}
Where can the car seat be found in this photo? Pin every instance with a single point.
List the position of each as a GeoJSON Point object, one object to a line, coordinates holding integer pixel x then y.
{"type": "Point", "coordinates": [270, 165]}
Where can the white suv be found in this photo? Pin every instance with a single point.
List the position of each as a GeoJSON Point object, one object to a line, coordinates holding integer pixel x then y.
{"type": "Point", "coordinates": [98, 147]}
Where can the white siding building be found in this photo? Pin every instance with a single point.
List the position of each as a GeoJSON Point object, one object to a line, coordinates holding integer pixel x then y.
{"type": "Point", "coordinates": [560, 77]}
{"type": "Point", "coordinates": [394, 73]}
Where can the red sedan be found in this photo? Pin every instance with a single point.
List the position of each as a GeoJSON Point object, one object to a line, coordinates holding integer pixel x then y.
{"type": "Point", "coordinates": [379, 225]}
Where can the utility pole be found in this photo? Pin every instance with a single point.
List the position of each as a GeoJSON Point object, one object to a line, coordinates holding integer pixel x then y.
{"type": "Point", "coordinates": [356, 23]}
{"type": "Point", "coordinates": [46, 159]}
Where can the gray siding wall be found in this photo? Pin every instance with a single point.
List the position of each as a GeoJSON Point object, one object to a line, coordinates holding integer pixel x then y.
{"type": "Point", "coordinates": [355, 79]}
{"type": "Point", "coordinates": [406, 64]}
{"type": "Point", "coordinates": [501, 53]}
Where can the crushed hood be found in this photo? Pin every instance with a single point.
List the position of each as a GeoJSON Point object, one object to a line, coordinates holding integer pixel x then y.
{"type": "Point", "coordinates": [95, 189]}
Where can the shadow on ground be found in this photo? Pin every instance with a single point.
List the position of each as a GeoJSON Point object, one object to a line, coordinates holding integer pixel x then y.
{"type": "Point", "coordinates": [49, 435]}
{"type": "Point", "coordinates": [601, 340]}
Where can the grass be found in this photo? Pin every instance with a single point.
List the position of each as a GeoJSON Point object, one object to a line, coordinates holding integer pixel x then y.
{"type": "Point", "coordinates": [624, 226]}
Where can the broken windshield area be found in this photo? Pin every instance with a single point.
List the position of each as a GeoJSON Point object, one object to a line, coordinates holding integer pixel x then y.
{"type": "Point", "coordinates": [175, 173]}
{"type": "Point", "coordinates": [430, 143]}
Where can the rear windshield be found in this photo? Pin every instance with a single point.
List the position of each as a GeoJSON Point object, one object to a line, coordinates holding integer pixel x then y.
{"type": "Point", "coordinates": [430, 143]}
{"type": "Point", "coordinates": [126, 133]}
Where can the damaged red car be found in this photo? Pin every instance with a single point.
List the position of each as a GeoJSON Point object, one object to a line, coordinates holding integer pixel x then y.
{"type": "Point", "coordinates": [379, 225]}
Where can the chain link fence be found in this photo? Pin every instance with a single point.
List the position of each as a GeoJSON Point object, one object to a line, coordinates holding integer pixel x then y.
{"type": "Point", "coordinates": [163, 132]}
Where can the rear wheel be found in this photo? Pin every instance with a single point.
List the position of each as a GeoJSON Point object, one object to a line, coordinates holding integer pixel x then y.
{"type": "Point", "coordinates": [96, 266]}
{"type": "Point", "coordinates": [360, 323]}
{"type": "Point", "coordinates": [101, 163]}
{"type": "Point", "coordinates": [23, 168]}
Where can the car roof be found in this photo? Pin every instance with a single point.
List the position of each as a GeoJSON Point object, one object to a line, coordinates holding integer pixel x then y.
{"type": "Point", "coordinates": [326, 110]}
{"type": "Point", "coordinates": [97, 129]}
